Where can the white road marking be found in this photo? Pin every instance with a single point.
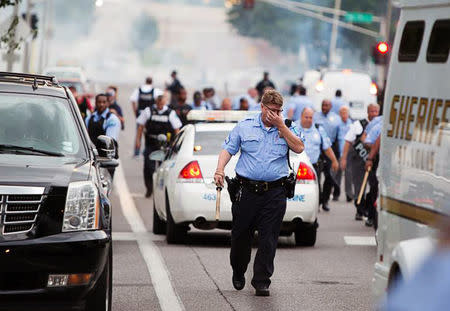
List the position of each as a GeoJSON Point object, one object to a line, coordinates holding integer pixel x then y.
{"type": "Point", "coordinates": [360, 240]}
{"type": "Point", "coordinates": [131, 236]}
{"type": "Point", "coordinates": [168, 298]}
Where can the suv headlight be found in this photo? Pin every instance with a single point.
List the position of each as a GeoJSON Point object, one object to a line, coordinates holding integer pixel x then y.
{"type": "Point", "coordinates": [82, 207]}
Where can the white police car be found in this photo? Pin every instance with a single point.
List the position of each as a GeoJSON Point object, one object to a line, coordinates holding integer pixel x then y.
{"type": "Point", "coordinates": [184, 192]}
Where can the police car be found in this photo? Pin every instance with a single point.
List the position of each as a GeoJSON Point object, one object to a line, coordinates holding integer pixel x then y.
{"type": "Point", "coordinates": [415, 142]}
{"type": "Point", "coordinates": [184, 192]}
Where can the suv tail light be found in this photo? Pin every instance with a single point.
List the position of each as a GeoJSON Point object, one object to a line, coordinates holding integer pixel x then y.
{"type": "Point", "coordinates": [191, 173]}
{"type": "Point", "coordinates": [305, 174]}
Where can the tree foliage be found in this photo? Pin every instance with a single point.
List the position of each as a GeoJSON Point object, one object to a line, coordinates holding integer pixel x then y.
{"type": "Point", "coordinates": [8, 39]}
{"type": "Point", "coordinates": [144, 33]}
{"type": "Point", "coordinates": [287, 30]}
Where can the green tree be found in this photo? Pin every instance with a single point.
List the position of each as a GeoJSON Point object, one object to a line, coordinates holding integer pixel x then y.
{"type": "Point", "coordinates": [287, 30]}
{"type": "Point", "coordinates": [8, 38]}
{"type": "Point", "coordinates": [144, 33]}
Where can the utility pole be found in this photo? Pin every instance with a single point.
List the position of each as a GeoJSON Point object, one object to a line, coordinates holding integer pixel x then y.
{"type": "Point", "coordinates": [388, 20]}
{"type": "Point", "coordinates": [334, 30]}
{"type": "Point", "coordinates": [10, 55]}
{"type": "Point", "coordinates": [26, 55]}
{"type": "Point", "coordinates": [44, 34]}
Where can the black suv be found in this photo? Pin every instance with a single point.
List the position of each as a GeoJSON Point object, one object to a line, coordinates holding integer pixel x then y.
{"type": "Point", "coordinates": [55, 216]}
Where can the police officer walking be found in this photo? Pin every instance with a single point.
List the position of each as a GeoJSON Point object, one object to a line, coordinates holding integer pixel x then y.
{"type": "Point", "coordinates": [356, 153]}
{"type": "Point", "coordinates": [141, 98]}
{"type": "Point", "coordinates": [330, 122]}
{"type": "Point", "coordinates": [344, 127]}
{"type": "Point", "coordinates": [260, 202]}
{"type": "Point", "coordinates": [316, 141]}
{"type": "Point", "coordinates": [103, 122]}
{"type": "Point", "coordinates": [155, 120]}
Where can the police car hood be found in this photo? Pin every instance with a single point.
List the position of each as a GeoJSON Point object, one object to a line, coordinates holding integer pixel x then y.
{"type": "Point", "coordinates": [42, 170]}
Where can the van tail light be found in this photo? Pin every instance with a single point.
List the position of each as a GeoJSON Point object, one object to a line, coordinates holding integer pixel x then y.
{"type": "Point", "coordinates": [373, 89]}
{"type": "Point", "coordinates": [305, 174]}
{"type": "Point", "coordinates": [191, 173]}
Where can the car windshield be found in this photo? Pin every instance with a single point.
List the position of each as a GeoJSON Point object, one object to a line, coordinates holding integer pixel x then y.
{"type": "Point", "coordinates": [39, 122]}
{"type": "Point", "coordinates": [209, 143]}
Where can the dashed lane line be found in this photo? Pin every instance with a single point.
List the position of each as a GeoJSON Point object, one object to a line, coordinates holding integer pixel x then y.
{"type": "Point", "coordinates": [167, 297]}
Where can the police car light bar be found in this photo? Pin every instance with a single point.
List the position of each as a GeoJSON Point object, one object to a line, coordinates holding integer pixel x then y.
{"type": "Point", "coordinates": [219, 115]}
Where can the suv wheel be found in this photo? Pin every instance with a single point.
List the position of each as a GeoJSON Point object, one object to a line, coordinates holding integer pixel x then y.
{"type": "Point", "coordinates": [174, 233]}
{"type": "Point", "coordinates": [159, 225]}
{"type": "Point", "coordinates": [305, 234]}
{"type": "Point", "coordinates": [101, 297]}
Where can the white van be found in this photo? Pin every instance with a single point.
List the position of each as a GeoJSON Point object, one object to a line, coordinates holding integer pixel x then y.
{"type": "Point", "coordinates": [356, 86]}
{"type": "Point", "coordinates": [414, 169]}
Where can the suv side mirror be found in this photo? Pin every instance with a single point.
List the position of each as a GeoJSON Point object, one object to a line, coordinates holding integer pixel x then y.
{"type": "Point", "coordinates": [106, 148]}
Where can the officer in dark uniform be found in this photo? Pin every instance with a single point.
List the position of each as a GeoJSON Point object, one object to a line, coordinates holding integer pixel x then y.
{"type": "Point", "coordinates": [155, 120]}
{"type": "Point", "coordinates": [260, 202]}
{"type": "Point", "coordinates": [356, 153]}
{"type": "Point", "coordinates": [103, 122]}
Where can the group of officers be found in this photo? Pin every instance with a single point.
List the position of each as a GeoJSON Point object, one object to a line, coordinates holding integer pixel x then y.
{"type": "Point", "coordinates": [331, 136]}
{"type": "Point", "coordinates": [327, 136]}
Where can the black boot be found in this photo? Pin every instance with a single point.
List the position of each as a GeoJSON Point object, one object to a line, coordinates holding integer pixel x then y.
{"type": "Point", "coordinates": [238, 281]}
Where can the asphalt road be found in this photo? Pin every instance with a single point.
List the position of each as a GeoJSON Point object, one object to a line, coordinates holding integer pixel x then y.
{"type": "Point", "coordinates": [149, 274]}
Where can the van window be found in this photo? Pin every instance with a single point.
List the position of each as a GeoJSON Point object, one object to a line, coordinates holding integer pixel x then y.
{"type": "Point", "coordinates": [439, 44]}
{"type": "Point", "coordinates": [411, 41]}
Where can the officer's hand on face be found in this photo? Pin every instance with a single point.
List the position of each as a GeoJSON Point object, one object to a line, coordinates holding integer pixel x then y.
{"type": "Point", "coordinates": [335, 166]}
{"type": "Point", "coordinates": [275, 119]}
{"type": "Point", "coordinates": [218, 178]}
{"type": "Point", "coordinates": [343, 163]}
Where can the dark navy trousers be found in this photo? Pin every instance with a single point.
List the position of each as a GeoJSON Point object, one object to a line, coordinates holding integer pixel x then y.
{"type": "Point", "coordinates": [263, 213]}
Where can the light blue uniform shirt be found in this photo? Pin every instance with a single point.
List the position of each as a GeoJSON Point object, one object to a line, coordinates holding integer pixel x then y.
{"type": "Point", "coordinates": [330, 123]}
{"type": "Point", "coordinates": [313, 139]}
{"type": "Point", "coordinates": [252, 104]}
{"type": "Point", "coordinates": [337, 103]}
{"type": "Point", "coordinates": [342, 131]}
{"type": "Point", "coordinates": [111, 125]}
{"type": "Point", "coordinates": [263, 153]}
{"type": "Point", "coordinates": [298, 103]}
{"type": "Point", "coordinates": [373, 133]}
{"type": "Point", "coordinates": [427, 289]}
{"type": "Point", "coordinates": [203, 106]}
{"type": "Point", "coordinates": [374, 122]}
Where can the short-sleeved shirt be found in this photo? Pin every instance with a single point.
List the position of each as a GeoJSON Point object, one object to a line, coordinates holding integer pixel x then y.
{"type": "Point", "coordinates": [263, 152]}
{"type": "Point", "coordinates": [203, 106]}
{"type": "Point", "coordinates": [330, 123]}
{"type": "Point", "coordinates": [355, 129]}
{"type": "Point", "coordinates": [314, 139]}
{"type": "Point", "coordinates": [298, 103]}
{"type": "Point", "coordinates": [146, 88]}
{"type": "Point", "coordinates": [344, 127]}
{"type": "Point", "coordinates": [374, 133]}
{"type": "Point", "coordinates": [147, 113]}
{"type": "Point", "coordinates": [111, 125]}
{"type": "Point", "coordinates": [337, 103]}
{"type": "Point", "coordinates": [373, 123]}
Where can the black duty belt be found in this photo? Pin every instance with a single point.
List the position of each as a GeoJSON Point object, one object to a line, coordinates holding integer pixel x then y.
{"type": "Point", "coordinates": [260, 186]}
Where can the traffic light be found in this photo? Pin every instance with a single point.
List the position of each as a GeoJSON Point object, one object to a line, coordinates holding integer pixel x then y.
{"type": "Point", "coordinates": [249, 4]}
{"type": "Point", "coordinates": [380, 53]}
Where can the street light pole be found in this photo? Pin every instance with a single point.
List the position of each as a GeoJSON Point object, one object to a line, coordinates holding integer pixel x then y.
{"type": "Point", "coordinates": [333, 39]}
{"type": "Point", "coordinates": [26, 55]}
